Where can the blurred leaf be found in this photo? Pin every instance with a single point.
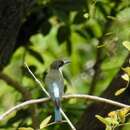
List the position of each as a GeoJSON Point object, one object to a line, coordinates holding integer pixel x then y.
{"type": "Point", "coordinates": [103, 120]}
{"type": "Point", "coordinates": [24, 128]}
{"type": "Point", "coordinates": [44, 75]}
{"type": "Point", "coordinates": [113, 114]}
{"type": "Point", "coordinates": [69, 46]}
{"type": "Point", "coordinates": [65, 88]}
{"type": "Point", "coordinates": [120, 91]}
{"type": "Point", "coordinates": [95, 27]}
{"type": "Point", "coordinates": [125, 77]}
{"type": "Point", "coordinates": [68, 5]}
{"type": "Point", "coordinates": [82, 33]}
{"type": "Point", "coordinates": [103, 8]}
{"type": "Point", "coordinates": [36, 54]}
{"type": "Point", "coordinates": [109, 128]}
{"type": "Point", "coordinates": [79, 18]}
{"type": "Point", "coordinates": [107, 120]}
{"type": "Point", "coordinates": [126, 44]}
{"type": "Point", "coordinates": [127, 70]}
{"type": "Point", "coordinates": [63, 33]}
{"type": "Point", "coordinates": [122, 116]}
{"type": "Point", "coordinates": [45, 28]}
{"type": "Point", "coordinates": [62, 15]}
{"type": "Point", "coordinates": [21, 114]}
{"type": "Point", "coordinates": [45, 122]}
{"type": "Point", "coordinates": [66, 77]}
{"type": "Point", "coordinates": [122, 113]}
{"type": "Point", "coordinates": [92, 9]}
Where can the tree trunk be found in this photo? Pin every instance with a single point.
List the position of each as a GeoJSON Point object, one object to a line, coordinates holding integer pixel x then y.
{"type": "Point", "coordinates": [11, 14]}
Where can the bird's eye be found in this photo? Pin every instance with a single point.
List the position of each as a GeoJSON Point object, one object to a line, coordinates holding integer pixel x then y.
{"type": "Point", "coordinates": [61, 63]}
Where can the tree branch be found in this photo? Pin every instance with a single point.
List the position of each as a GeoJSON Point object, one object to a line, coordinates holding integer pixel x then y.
{"type": "Point", "coordinates": [79, 96]}
{"type": "Point", "coordinates": [25, 93]}
{"type": "Point", "coordinates": [21, 89]}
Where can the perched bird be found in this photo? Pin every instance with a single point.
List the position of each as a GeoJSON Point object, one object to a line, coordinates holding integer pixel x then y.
{"type": "Point", "coordinates": [55, 85]}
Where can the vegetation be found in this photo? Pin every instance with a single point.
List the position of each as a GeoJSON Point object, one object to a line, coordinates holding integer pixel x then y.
{"type": "Point", "coordinates": [93, 34]}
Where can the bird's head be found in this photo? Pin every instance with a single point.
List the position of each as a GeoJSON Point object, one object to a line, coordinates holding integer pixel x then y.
{"type": "Point", "coordinates": [59, 63]}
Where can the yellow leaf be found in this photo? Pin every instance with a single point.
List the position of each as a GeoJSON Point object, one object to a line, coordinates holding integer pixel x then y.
{"type": "Point", "coordinates": [108, 127]}
{"type": "Point", "coordinates": [122, 113]}
{"type": "Point", "coordinates": [45, 122]}
{"type": "Point", "coordinates": [103, 119]}
{"type": "Point", "coordinates": [113, 114]}
{"type": "Point", "coordinates": [107, 120]}
{"type": "Point", "coordinates": [126, 44]}
{"type": "Point", "coordinates": [24, 128]}
{"type": "Point", "coordinates": [125, 77]}
{"type": "Point", "coordinates": [120, 91]}
{"type": "Point", "coordinates": [127, 70]}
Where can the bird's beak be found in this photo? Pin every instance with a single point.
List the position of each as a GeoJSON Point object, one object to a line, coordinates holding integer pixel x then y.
{"type": "Point", "coordinates": [66, 62]}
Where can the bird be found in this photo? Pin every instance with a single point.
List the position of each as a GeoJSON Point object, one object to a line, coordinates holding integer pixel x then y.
{"type": "Point", "coordinates": [55, 85]}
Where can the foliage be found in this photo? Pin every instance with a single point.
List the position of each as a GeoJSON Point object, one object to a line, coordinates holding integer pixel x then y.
{"type": "Point", "coordinates": [127, 72]}
{"type": "Point", "coordinates": [86, 32]}
{"type": "Point", "coordinates": [115, 118]}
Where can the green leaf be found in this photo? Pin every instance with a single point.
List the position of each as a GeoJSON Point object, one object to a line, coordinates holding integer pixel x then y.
{"type": "Point", "coordinates": [69, 46]}
{"type": "Point", "coordinates": [127, 70]}
{"type": "Point", "coordinates": [94, 26]}
{"type": "Point", "coordinates": [107, 120]}
{"type": "Point", "coordinates": [108, 128]}
{"type": "Point", "coordinates": [63, 33]}
{"type": "Point", "coordinates": [24, 128]}
{"type": "Point", "coordinates": [79, 18]}
{"type": "Point", "coordinates": [120, 91]}
{"type": "Point", "coordinates": [36, 54]}
{"type": "Point", "coordinates": [125, 77]}
{"type": "Point", "coordinates": [45, 28]}
{"type": "Point", "coordinates": [102, 119]}
{"type": "Point", "coordinates": [122, 114]}
{"type": "Point", "coordinates": [126, 44]}
{"type": "Point", "coordinates": [45, 122]}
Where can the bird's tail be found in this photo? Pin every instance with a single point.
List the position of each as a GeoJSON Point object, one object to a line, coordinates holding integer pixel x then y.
{"type": "Point", "coordinates": [58, 116]}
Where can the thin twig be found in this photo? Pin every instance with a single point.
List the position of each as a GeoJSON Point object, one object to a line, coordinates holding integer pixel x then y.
{"type": "Point", "coordinates": [21, 105]}
{"type": "Point", "coordinates": [14, 84]}
{"type": "Point", "coordinates": [52, 123]}
{"type": "Point", "coordinates": [79, 96]}
{"type": "Point", "coordinates": [67, 119]}
{"type": "Point", "coordinates": [95, 98]}
{"type": "Point", "coordinates": [37, 81]}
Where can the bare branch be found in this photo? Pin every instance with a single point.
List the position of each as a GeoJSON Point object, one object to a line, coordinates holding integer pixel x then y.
{"type": "Point", "coordinates": [79, 96]}
{"type": "Point", "coordinates": [37, 81]}
{"type": "Point", "coordinates": [14, 84]}
{"type": "Point", "coordinates": [52, 123]}
{"type": "Point", "coordinates": [22, 105]}
{"type": "Point", "coordinates": [67, 119]}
